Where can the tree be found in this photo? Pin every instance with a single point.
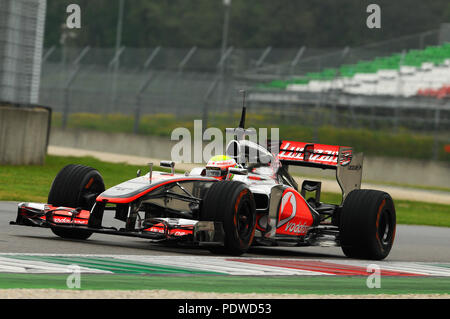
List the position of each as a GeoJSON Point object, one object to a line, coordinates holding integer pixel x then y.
{"type": "Point", "coordinates": [254, 23]}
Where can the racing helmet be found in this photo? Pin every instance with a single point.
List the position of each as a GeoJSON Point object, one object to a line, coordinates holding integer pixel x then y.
{"type": "Point", "coordinates": [218, 166]}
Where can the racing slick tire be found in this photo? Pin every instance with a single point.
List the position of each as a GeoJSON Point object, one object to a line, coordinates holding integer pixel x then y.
{"type": "Point", "coordinates": [367, 224]}
{"type": "Point", "coordinates": [75, 186]}
{"type": "Point", "coordinates": [232, 203]}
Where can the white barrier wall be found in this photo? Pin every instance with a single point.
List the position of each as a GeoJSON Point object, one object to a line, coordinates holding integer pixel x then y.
{"type": "Point", "coordinates": [23, 135]}
{"type": "Point", "coordinates": [376, 169]}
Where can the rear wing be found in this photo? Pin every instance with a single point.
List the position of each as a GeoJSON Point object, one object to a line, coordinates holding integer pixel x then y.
{"type": "Point", "coordinates": [313, 155]}
{"type": "Point", "coordinates": [348, 165]}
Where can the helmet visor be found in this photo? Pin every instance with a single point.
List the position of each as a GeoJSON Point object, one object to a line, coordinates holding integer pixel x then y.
{"type": "Point", "coordinates": [213, 172]}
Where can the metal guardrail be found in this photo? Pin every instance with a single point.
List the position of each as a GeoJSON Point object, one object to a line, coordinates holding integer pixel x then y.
{"type": "Point", "coordinates": [201, 82]}
{"type": "Point", "coordinates": [21, 37]}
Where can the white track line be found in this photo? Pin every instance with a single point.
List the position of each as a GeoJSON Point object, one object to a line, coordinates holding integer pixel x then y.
{"type": "Point", "coordinates": [220, 264]}
{"type": "Point", "coordinates": [214, 264]}
{"type": "Point", "coordinates": [31, 266]}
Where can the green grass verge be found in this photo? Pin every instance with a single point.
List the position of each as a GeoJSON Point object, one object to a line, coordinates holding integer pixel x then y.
{"type": "Point", "coordinates": [235, 284]}
{"type": "Point", "coordinates": [403, 143]}
{"type": "Point", "coordinates": [409, 212]}
{"type": "Point", "coordinates": [424, 187]}
{"type": "Point", "coordinates": [32, 183]}
{"type": "Point", "coordinates": [368, 181]}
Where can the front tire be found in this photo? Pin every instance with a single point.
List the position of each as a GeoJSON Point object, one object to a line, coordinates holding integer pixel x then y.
{"type": "Point", "coordinates": [231, 203]}
{"type": "Point", "coordinates": [75, 186]}
{"type": "Point", "coordinates": [367, 224]}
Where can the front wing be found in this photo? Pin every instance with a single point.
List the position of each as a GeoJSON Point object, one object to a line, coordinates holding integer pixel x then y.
{"type": "Point", "coordinates": [157, 229]}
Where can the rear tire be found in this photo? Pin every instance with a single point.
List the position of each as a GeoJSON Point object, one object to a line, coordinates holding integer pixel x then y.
{"type": "Point", "coordinates": [75, 186]}
{"type": "Point", "coordinates": [231, 203]}
{"type": "Point", "coordinates": [367, 224]}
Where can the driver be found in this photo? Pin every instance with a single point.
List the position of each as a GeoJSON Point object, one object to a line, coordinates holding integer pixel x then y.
{"type": "Point", "coordinates": [218, 166]}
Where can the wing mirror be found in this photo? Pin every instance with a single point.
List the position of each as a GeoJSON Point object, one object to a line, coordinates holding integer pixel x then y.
{"type": "Point", "coordinates": [169, 164]}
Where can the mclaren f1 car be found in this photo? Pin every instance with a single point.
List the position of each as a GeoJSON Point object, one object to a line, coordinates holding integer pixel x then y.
{"type": "Point", "coordinates": [245, 198]}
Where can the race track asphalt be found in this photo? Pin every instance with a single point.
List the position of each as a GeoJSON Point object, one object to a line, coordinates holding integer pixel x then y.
{"type": "Point", "coordinates": [412, 243]}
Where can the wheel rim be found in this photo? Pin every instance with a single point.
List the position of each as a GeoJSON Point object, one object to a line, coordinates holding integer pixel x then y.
{"type": "Point", "coordinates": [385, 228]}
{"type": "Point", "coordinates": [244, 220]}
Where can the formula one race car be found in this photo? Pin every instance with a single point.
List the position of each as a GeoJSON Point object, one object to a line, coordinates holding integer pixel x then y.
{"type": "Point", "coordinates": [246, 197]}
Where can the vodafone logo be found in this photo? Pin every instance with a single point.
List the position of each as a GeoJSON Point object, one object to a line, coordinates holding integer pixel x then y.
{"type": "Point", "coordinates": [288, 208]}
{"type": "Point", "coordinates": [297, 228]}
{"type": "Point", "coordinates": [180, 233]}
{"type": "Point", "coordinates": [67, 220]}
{"type": "Point", "coordinates": [61, 220]}
{"type": "Point", "coordinates": [156, 229]}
